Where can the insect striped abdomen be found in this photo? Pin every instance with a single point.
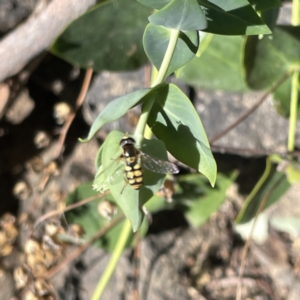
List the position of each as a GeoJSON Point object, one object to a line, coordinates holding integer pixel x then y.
{"type": "Point", "coordinates": [133, 170]}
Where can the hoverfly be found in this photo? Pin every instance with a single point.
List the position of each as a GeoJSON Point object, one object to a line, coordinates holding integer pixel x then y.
{"type": "Point", "coordinates": [134, 161]}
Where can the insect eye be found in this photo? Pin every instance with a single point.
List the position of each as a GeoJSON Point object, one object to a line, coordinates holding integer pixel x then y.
{"type": "Point", "coordinates": [127, 140]}
{"type": "Point", "coordinates": [130, 140]}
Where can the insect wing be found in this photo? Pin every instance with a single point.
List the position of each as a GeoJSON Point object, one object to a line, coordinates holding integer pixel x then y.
{"type": "Point", "coordinates": [157, 165]}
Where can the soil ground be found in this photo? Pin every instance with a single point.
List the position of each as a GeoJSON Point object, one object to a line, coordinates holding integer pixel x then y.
{"type": "Point", "coordinates": [177, 261]}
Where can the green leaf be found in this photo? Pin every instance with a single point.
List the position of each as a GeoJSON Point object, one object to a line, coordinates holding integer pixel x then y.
{"type": "Point", "coordinates": [232, 18]}
{"type": "Point", "coordinates": [282, 99]}
{"type": "Point", "coordinates": [293, 173]}
{"type": "Point", "coordinates": [156, 40]}
{"type": "Point", "coordinates": [180, 14]}
{"type": "Point", "coordinates": [174, 120]}
{"type": "Point", "coordinates": [107, 37]}
{"type": "Point", "coordinates": [197, 199]}
{"type": "Point", "coordinates": [112, 176]}
{"type": "Point", "coordinates": [156, 4]}
{"type": "Point", "coordinates": [269, 59]}
{"type": "Point", "coordinates": [98, 158]}
{"type": "Point", "coordinates": [261, 5]}
{"type": "Point", "coordinates": [116, 109]}
{"type": "Point", "coordinates": [270, 187]}
{"type": "Point", "coordinates": [270, 17]}
{"type": "Point", "coordinates": [219, 65]}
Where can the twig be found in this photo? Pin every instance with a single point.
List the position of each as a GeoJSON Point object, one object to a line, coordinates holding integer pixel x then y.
{"type": "Point", "coordinates": [62, 137]}
{"type": "Point", "coordinates": [79, 101]}
{"type": "Point", "coordinates": [248, 242]}
{"type": "Point", "coordinates": [43, 183]}
{"type": "Point", "coordinates": [83, 247]}
{"type": "Point", "coordinates": [68, 208]}
{"type": "Point", "coordinates": [251, 110]}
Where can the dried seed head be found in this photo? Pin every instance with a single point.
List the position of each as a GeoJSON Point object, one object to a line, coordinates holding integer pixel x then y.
{"type": "Point", "coordinates": [34, 259]}
{"type": "Point", "coordinates": [49, 259]}
{"type": "Point", "coordinates": [42, 139]}
{"type": "Point", "coordinates": [169, 190]}
{"type": "Point", "coordinates": [20, 277]}
{"type": "Point", "coordinates": [22, 190]}
{"type": "Point", "coordinates": [11, 232]}
{"type": "Point", "coordinates": [6, 249]}
{"type": "Point", "coordinates": [107, 209]}
{"type": "Point", "coordinates": [51, 229]}
{"type": "Point", "coordinates": [74, 73]}
{"type": "Point", "coordinates": [3, 238]}
{"type": "Point", "coordinates": [7, 218]}
{"type": "Point", "coordinates": [57, 86]}
{"type": "Point", "coordinates": [77, 229]}
{"type": "Point", "coordinates": [36, 164]}
{"type": "Point", "coordinates": [62, 111]}
{"type": "Point", "coordinates": [43, 287]}
{"type": "Point", "coordinates": [39, 270]}
{"type": "Point", "coordinates": [29, 295]}
{"type": "Point", "coordinates": [52, 168]}
{"type": "Point", "coordinates": [32, 246]}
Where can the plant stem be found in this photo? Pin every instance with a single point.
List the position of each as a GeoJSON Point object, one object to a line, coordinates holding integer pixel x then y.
{"type": "Point", "coordinates": [139, 132]}
{"type": "Point", "coordinates": [123, 238]}
{"type": "Point", "coordinates": [293, 111]}
{"type": "Point", "coordinates": [296, 13]}
{"type": "Point", "coordinates": [167, 58]}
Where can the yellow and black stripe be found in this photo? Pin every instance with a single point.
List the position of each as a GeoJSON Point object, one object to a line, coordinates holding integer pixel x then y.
{"type": "Point", "coordinates": [131, 156]}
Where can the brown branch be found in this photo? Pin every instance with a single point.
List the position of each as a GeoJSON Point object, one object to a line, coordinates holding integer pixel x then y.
{"type": "Point", "coordinates": [79, 101]}
{"type": "Point", "coordinates": [83, 247]}
{"type": "Point", "coordinates": [249, 111]}
{"type": "Point", "coordinates": [68, 208]}
{"type": "Point", "coordinates": [37, 33]}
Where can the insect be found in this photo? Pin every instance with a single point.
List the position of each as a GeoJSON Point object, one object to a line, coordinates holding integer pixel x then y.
{"type": "Point", "coordinates": [135, 160]}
